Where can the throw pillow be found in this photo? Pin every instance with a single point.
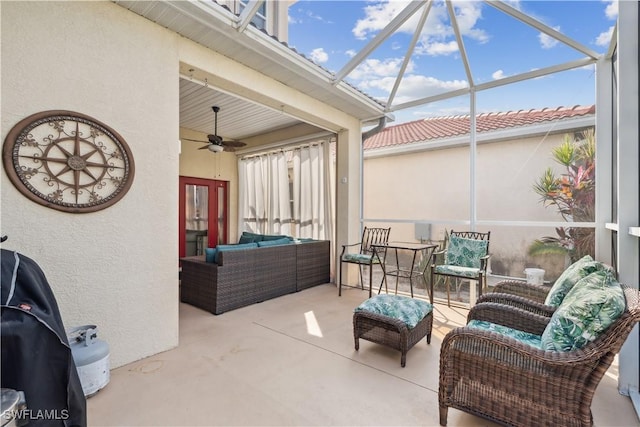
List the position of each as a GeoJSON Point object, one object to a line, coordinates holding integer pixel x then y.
{"type": "Point", "coordinates": [568, 279]}
{"type": "Point", "coordinates": [248, 237]}
{"type": "Point", "coordinates": [275, 242]}
{"type": "Point", "coordinates": [594, 303]}
{"type": "Point", "coordinates": [210, 254]}
{"type": "Point", "coordinates": [273, 236]}
{"type": "Point", "coordinates": [465, 252]}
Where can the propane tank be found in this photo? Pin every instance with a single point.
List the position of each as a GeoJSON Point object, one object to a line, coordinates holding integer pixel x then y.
{"type": "Point", "coordinates": [91, 356]}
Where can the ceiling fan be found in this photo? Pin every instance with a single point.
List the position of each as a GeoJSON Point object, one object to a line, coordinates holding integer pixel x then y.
{"type": "Point", "coordinates": [215, 143]}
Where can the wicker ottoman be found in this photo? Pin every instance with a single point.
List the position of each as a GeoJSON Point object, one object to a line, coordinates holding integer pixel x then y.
{"type": "Point", "coordinates": [395, 321]}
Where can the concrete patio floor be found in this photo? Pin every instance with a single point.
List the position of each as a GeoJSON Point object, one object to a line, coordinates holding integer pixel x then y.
{"type": "Point", "coordinates": [291, 362]}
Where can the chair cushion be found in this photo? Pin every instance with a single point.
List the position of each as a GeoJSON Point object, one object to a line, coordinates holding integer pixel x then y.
{"type": "Point", "coordinates": [465, 252]}
{"type": "Point", "coordinates": [360, 259]}
{"type": "Point", "coordinates": [229, 248]}
{"type": "Point", "coordinates": [594, 303]}
{"type": "Point", "coordinates": [408, 310]}
{"type": "Point", "coordinates": [275, 242]}
{"type": "Point", "coordinates": [523, 337]}
{"type": "Point", "coordinates": [455, 270]}
{"type": "Point", "coordinates": [567, 280]}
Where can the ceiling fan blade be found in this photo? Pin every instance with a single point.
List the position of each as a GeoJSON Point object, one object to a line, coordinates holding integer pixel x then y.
{"type": "Point", "coordinates": [194, 140]}
{"type": "Point", "coordinates": [235, 144]}
{"type": "Point", "coordinates": [204, 147]}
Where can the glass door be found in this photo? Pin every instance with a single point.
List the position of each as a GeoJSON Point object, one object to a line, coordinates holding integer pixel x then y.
{"type": "Point", "coordinates": [202, 215]}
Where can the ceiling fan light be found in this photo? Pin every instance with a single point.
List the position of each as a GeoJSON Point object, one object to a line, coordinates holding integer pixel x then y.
{"type": "Point", "coordinates": [215, 148]}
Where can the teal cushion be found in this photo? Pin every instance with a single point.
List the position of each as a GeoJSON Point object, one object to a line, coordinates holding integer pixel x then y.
{"type": "Point", "coordinates": [361, 259]}
{"type": "Point", "coordinates": [210, 254]}
{"type": "Point", "coordinates": [567, 280]}
{"type": "Point", "coordinates": [275, 242]}
{"type": "Point", "coordinates": [408, 310]}
{"type": "Point", "coordinates": [455, 270]}
{"type": "Point", "coordinates": [229, 248]}
{"type": "Point", "coordinates": [273, 237]}
{"type": "Point", "coordinates": [465, 252]}
{"type": "Point", "coordinates": [594, 303]}
{"type": "Point", "coordinates": [524, 337]}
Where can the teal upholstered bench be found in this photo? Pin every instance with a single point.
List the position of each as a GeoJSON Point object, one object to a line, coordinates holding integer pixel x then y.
{"type": "Point", "coordinates": [396, 321]}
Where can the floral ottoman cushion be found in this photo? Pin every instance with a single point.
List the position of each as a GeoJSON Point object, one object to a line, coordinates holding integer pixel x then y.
{"type": "Point", "coordinates": [408, 310]}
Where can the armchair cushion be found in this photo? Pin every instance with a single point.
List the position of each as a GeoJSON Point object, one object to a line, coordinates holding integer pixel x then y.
{"type": "Point", "coordinates": [568, 279]}
{"type": "Point", "coordinates": [593, 304]}
{"type": "Point", "coordinates": [465, 252]}
{"type": "Point", "coordinates": [408, 310]}
{"type": "Point", "coordinates": [524, 337]}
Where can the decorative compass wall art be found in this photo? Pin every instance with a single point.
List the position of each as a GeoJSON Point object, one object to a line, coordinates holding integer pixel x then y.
{"type": "Point", "coordinates": [68, 161]}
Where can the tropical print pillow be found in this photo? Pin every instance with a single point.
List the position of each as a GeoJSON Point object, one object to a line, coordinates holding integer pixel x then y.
{"type": "Point", "coordinates": [465, 252]}
{"type": "Point", "coordinates": [524, 337]}
{"type": "Point", "coordinates": [567, 280]}
{"type": "Point", "coordinates": [593, 305]}
{"type": "Point", "coordinates": [408, 310]}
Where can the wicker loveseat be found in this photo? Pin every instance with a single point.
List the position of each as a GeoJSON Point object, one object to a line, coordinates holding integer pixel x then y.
{"type": "Point", "coordinates": [504, 373]}
{"type": "Point", "coordinates": [247, 276]}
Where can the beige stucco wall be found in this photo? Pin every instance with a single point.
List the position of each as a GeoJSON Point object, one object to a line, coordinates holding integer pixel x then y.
{"type": "Point", "coordinates": [433, 186]}
{"type": "Point", "coordinates": [116, 268]}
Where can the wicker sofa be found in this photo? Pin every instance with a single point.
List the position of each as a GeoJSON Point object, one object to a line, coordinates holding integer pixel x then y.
{"type": "Point", "coordinates": [248, 276]}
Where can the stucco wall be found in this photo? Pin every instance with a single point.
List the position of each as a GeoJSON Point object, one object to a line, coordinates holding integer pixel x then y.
{"type": "Point", "coordinates": [116, 268]}
{"type": "Point", "coordinates": [434, 186]}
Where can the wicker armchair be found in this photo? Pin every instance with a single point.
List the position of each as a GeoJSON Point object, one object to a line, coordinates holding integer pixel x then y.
{"type": "Point", "coordinates": [522, 295]}
{"type": "Point", "coordinates": [504, 380]}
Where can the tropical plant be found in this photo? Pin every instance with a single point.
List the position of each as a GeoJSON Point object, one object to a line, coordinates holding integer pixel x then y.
{"type": "Point", "coordinates": [573, 194]}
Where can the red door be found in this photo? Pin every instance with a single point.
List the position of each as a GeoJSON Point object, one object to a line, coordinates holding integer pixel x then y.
{"type": "Point", "coordinates": [202, 215]}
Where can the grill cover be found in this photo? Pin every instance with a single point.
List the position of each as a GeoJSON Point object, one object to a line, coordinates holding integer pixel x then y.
{"type": "Point", "coordinates": [36, 357]}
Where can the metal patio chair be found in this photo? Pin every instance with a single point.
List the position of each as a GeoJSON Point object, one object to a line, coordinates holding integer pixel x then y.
{"type": "Point", "coordinates": [466, 256]}
{"type": "Point", "coordinates": [365, 255]}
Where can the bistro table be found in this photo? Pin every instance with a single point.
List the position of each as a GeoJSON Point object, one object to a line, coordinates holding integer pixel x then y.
{"type": "Point", "coordinates": [415, 268]}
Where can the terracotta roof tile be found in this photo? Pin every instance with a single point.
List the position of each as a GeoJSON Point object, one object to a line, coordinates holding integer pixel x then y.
{"type": "Point", "coordinates": [450, 126]}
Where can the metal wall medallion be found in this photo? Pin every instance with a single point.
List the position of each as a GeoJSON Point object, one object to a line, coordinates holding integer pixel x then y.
{"type": "Point", "coordinates": [68, 161]}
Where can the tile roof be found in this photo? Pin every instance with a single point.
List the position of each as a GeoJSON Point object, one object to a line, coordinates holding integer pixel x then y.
{"type": "Point", "coordinates": [451, 126]}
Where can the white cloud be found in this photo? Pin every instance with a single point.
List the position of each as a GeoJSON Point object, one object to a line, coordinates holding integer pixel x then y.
{"type": "Point", "coordinates": [547, 42]}
{"type": "Point", "coordinates": [374, 68]}
{"type": "Point", "coordinates": [414, 87]}
{"type": "Point", "coordinates": [498, 74]}
{"type": "Point", "coordinates": [350, 53]}
{"type": "Point", "coordinates": [377, 16]}
{"type": "Point", "coordinates": [319, 55]}
{"type": "Point", "coordinates": [611, 11]}
{"type": "Point", "coordinates": [604, 38]}
{"type": "Point", "coordinates": [437, 28]}
{"type": "Point", "coordinates": [438, 48]}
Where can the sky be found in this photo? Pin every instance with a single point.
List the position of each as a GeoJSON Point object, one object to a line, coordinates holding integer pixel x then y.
{"type": "Point", "coordinates": [497, 45]}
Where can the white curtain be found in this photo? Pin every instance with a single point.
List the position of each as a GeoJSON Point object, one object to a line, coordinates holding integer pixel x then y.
{"type": "Point", "coordinates": [312, 196]}
{"type": "Point", "coordinates": [264, 205]}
